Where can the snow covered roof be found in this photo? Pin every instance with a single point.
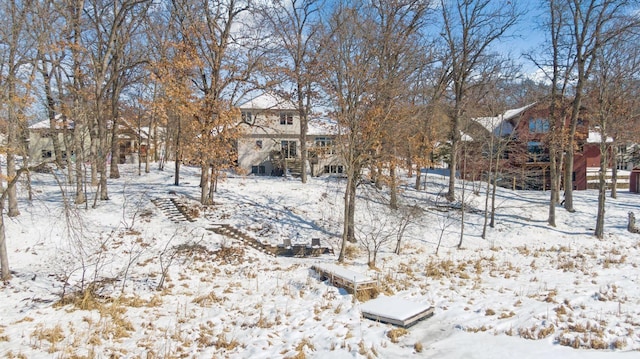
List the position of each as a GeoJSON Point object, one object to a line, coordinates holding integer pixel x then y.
{"type": "Point", "coordinates": [322, 126]}
{"type": "Point", "coordinates": [501, 125]}
{"type": "Point", "coordinates": [46, 124]}
{"type": "Point", "coordinates": [268, 101]}
{"type": "Point", "coordinates": [595, 137]}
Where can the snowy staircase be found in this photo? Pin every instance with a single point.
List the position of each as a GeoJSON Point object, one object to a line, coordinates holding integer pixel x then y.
{"type": "Point", "coordinates": [177, 212]}
{"type": "Point", "coordinates": [232, 232]}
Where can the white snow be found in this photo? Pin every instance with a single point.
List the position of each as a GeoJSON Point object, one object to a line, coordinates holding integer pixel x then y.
{"type": "Point", "coordinates": [527, 289]}
{"type": "Point", "coordinates": [267, 101]}
{"type": "Point", "coordinates": [393, 308]}
{"type": "Point", "coordinates": [344, 273]}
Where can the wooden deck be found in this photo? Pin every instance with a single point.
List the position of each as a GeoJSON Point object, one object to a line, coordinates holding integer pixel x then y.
{"type": "Point", "coordinates": [352, 282]}
{"type": "Point", "coordinates": [396, 311]}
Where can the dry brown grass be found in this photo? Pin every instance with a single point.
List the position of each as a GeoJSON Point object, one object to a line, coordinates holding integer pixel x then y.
{"type": "Point", "coordinates": [367, 294]}
{"type": "Point", "coordinates": [396, 333]}
{"type": "Point", "coordinates": [52, 335]}
{"type": "Point", "coordinates": [351, 251]}
{"type": "Point", "coordinates": [207, 300]}
{"type": "Point", "coordinates": [3, 338]}
{"type": "Point", "coordinates": [505, 315]}
{"type": "Point", "coordinates": [418, 347]}
{"type": "Point", "coordinates": [536, 332]}
{"type": "Point", "coordinates": [221, 342]}
{"type": "Point", "coordinates": [230, 255]}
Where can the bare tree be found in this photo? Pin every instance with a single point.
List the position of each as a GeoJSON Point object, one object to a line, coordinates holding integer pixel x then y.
{"type": "Point", "coordinates": [295, 26]}
{"type": "Point", "coordinates": [228, 52]}
{"type": "Point", "coordinates": [350, 69]}
{"type": "Point", "coordinates": [611, 94]}
{"type": "Point", "coordinates": [363, 50]}
{"type": "Point", "coordinates": [109, 27]}
{"type": "Point", "coordinates": [16, 52]}
{"type": "Point", "coordinates": [589, 25]}
{"type": "Point", "coordinates": [469, 28]}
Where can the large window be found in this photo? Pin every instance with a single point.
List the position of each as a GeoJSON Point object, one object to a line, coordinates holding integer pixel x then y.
{"type": "Point", "coordinates": [288, 149]}
{"type": "Point", "coordinates": [538, 125]}
{"type": "Point", "coordinates": [325, 145]}
{"type": "Point", "coordinates": [286, 118]}
{"type": "Point", "coordinates": [335, 169]}
{"type": "Point", "coordinates": [537, 152]}
{"type": "Point", "coordinates": [258, 170]}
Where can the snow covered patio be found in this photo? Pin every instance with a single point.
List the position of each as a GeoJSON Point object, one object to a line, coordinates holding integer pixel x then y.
{"type": "Point", "coordinates": [396, 311]}
{"type": "Point", "coordinates": [351, 281]}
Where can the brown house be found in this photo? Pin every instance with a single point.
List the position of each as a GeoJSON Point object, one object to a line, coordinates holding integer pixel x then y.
{"type": "Point", "coordinates": [523, 137]}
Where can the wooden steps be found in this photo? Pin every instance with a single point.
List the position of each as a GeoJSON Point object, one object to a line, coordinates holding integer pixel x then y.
{"type": "Point", "coordinates": [232, 232]}
{"type": "Point", "coordinates": [177, 212]}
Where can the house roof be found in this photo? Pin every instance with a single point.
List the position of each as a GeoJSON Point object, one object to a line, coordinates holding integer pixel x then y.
{"type": "Point", "coordinates": [595, 137]}
{"type": "Point", "coordinates": [502, 124]}
{"type": "Point", "coordinates": [322, 126]}
{"type": "Point", "coordinates": [267, 101]}
{"type": "Point", "coordinates": [58, 123]}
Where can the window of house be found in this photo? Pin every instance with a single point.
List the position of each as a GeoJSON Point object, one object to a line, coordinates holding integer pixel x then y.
{"type": "Point", "coordinates": [259, 144]}
{"type": "Point", "coordinates": [286, 118]}
{"type": "Point", "coordinates": [258, 170]}
{"type": "Point", "coordinates": [537, 152]}
{"type": "Point", "coordinates": [248, 117]}
{"type": "Point", "coordinates": [335, 169]}
{"type": "Point", "coordinates": [325, 144]}
{"type": "Point", "coordinates": [288, 149]}
{"type": "Point", "coordinates": [538, 125]}
{"type": "Point", "coordinates": [622, 150]}
{"type": "Point", "coordinates": [534, 147]}
{"type": "Point", "coordinates": [46, 154]}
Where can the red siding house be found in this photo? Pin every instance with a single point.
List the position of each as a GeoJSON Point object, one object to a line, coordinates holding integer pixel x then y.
{"type": "Point", "coordinates": [526, 163]}
{"type": "Point", "coordinates": [634, 180]}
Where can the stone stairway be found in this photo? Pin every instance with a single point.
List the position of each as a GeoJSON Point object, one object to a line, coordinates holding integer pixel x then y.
{"type": "Point", "coordinates": [235, 233]}
{"type": "Point", "coordinates": [177, 212]}
{"type": "Point", "coordinates": [294, 165]}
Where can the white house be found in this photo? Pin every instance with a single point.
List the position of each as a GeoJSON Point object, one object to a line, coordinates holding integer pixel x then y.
{"type": "Point", "coordinates": [271, 143]}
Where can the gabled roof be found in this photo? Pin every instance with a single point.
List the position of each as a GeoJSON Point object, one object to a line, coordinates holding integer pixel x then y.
{"type": "Point", "coordinates": [322, 126]}
{"type": "Point", "coordinates": [58, 124]}
{"type": "Point", "coordinates": [267, 101]}
{"type": "Point", "coordinates": [502, 124]}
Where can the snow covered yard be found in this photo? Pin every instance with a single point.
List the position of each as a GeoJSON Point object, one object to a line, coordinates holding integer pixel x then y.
{"type": "Point", "coordinates": [157, 288]}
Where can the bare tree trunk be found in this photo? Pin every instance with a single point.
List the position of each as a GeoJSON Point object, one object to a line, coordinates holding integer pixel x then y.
{"type": "Point", "coordinates": [486, 200]}
{"type": "Point", "coordinates": [5, 273]}
{"type": "Point", "coordinates": [205, 182]}
{"type": "Point", "coordinates": [614, 173]}
{"type": "Point", "coordinates": [347, 208]}
{"type": "Point", "coordinates": [114, 172]}
{"type": "Point", "coordinates": [12, 145]}
{"type": "Point", "coordinates": [51, 112]}
{"type": "Point", "coordinates": [393, 203]}
{"type": "Point", "coordinates": [351, 233]}
{"type": "Point", "coordinates": [462, 204]}
{"type": "Point", "coordinates": [602, 188]}
{"type": "Point", "coordinates": [553, 173]}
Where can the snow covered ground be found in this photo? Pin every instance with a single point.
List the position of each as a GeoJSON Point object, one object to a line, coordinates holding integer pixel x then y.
{"type": "Point", "coordinates": [527, 289]}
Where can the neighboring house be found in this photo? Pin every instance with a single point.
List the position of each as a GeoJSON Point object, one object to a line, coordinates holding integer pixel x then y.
{"type": "Point", "coordinates": [130, 139]}
{"type": "Point", "coordinates": [41, 140]}
{"type": "Point", "coordinates": [525, 161]}
{"type": "Point", "coordinates": [41, 134]}
{"type": "Point", "coordinates": [628, 156]}
{"type": "Point", "coordinates": [271, 142]}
